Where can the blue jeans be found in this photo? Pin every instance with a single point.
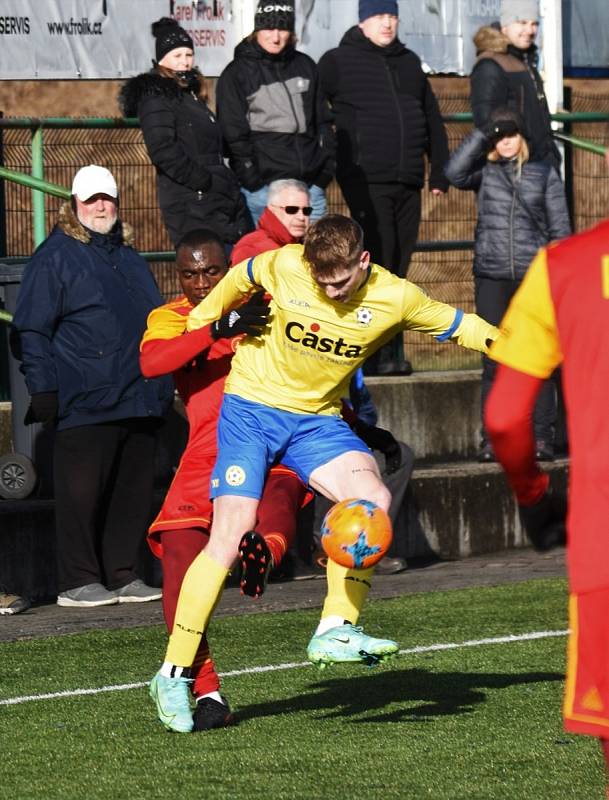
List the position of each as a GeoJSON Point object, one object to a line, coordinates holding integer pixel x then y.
{"type": "Point", "coordinates": [257, 201]}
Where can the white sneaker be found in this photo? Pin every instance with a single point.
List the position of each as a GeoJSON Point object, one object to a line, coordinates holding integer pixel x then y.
{"type": "Point", "coordinates": [137, 592]}
{"type": "Point", "coordinates": [93, 594]}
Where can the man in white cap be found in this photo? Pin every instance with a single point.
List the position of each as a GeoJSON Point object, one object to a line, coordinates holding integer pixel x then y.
{"type": "Point", "coordinates": [505, 75]}
{"type": "Point", "coordinates": [80, 316]}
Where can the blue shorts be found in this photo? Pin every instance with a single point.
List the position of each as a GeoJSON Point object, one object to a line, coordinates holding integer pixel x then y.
{"type": "Point", "coordinates": [252, 437]}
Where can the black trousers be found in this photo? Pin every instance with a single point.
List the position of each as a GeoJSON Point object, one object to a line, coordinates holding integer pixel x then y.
{"type": "Point", "coordinates": [103, 477]}
{"type": "Point", "coordinates": [492, 299]}
{"type": "Point", "coordinates": [389, 214]}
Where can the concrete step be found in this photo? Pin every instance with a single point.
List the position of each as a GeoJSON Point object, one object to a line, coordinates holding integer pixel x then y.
{"type": "Point", "coordinates": [436, 413]}
{"type": "Point", "coordinates": [451, 511]}
{"type": "Point", "coordinates": [460, 510]}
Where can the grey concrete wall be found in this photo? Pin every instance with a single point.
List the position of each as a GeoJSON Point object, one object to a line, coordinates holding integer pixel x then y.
{"type": "Point", "coordinates": [460, 510]}
{"type": "Point", "coordinates": [436, 413]}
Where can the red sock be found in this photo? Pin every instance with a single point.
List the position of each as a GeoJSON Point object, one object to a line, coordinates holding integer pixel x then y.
{"type": "Point", "coordinates": [279, 505]}
{"type": "Point", "coordinates": [204, 672]}
{"type": "Point", "coordinates": [605, 749]}
{"type": "Point", "coordinates": [180, 548]}
{"type": "Point", "coordinates": [277, 544]}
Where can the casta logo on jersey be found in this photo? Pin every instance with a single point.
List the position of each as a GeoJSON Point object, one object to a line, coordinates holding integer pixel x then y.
{"type": "Point", "coordinates": [296, 332]}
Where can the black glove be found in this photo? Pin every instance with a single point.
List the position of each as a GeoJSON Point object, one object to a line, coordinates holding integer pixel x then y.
{"type": "Point", "coordinates": [43, 408]}
{"type": "Point", "coordinates": [380, 439]}
{"type": "Point", "coordinates": [497, 129]}
{"type": "Point", "coordinates": [544, 522]}
{"type": "Point", "coordinates": [249, 318]}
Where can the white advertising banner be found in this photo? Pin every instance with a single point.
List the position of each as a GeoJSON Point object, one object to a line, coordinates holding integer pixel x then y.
{"type": "Point", "coordinates": [111, 38]}
{"type": "Point", "coordinates": [58, 39]}
{"type": "Point", "coordinates": [439, 31]}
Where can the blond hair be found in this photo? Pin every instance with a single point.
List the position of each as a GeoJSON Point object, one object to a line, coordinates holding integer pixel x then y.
{"type": "Point", "coordinates": [521, 158]}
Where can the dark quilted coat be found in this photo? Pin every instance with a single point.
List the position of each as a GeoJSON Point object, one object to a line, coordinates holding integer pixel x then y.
{"type": "Point", "coordinates": [184, 142]}
{"type": "Point", "coordinates": [516, 216]}
{"type": "Point", "coordinates": [385, 112]}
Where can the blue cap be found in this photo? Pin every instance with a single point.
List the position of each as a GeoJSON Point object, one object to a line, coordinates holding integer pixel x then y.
{"type": "Point", "coordinates": [370, 8]}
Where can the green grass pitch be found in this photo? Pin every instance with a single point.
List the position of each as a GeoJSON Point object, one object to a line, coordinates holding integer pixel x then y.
{"type": "Point", "coordinates": [478, 722]}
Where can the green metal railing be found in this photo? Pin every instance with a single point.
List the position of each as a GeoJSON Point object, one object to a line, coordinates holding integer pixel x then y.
{"type": "Point", "coordinates": [36, 181]}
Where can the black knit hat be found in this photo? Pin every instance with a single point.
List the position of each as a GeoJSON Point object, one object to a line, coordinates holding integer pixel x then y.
{"type": "Point", "coordinates": [274, 16]}
{"type": "Point", "coordinates": [169, 36]}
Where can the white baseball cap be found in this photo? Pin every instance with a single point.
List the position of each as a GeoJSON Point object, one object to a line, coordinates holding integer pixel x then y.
{"type": "Point", "coordinates": [94, 180]}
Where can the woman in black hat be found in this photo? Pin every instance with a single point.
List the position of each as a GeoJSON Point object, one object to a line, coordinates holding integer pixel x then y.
{"type": "Point", "coordinates": [184, 141]}
{"type": "Point", "coordinates": [521, 207]}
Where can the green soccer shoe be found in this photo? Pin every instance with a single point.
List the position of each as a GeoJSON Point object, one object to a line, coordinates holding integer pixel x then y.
{"type": "Point", "coordinates": [172, 698]}
{"type": "Point", "coordinates": [348, 643]}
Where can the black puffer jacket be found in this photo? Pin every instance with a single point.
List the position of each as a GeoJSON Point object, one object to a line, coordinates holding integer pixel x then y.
{"type": "Point", "coordinates": [505, 76]}
{"type": "Point", "coordinates": [515, 216]}
{"type": "Point", "coordinates": [385, 112]}
{"type": "Point", "coordinates": [184, 142]}
{"type": "Point", "coordinates": [273, 119]}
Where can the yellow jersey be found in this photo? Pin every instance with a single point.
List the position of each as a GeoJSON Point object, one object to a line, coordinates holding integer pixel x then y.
{"type": "Point", "coordinates": [304, 359]}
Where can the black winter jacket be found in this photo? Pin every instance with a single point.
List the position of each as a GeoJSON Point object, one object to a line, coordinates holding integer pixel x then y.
{"type": "Point", "coordinates": [273, 119]}
{"type": "Point", "coordinates": [81, 313]}
{"type": "Point", "coordinates": [505, 76]}
{"type": "Point", "coordinates": [385, 112]}
{"type": "Point", "coordinates": [515, 216]}
{"type": "Point", "coordinates": [184, 142]}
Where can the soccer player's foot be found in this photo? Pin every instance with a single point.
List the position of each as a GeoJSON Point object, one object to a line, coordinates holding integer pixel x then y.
{"type": "Point", "coordinates": [256, 564]}
{"type": "Point", "coordinates": [348, 643]}
{"type": "Point", "coordinates": [172, 698]}
{"type": "Point", "coordinates": [210, 714]}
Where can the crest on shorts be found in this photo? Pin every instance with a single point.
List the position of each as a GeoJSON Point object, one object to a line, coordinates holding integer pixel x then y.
{"type": "Point", "coordinates": [235, 475]}
{"type": "Point", "coordinates": [364, 315]}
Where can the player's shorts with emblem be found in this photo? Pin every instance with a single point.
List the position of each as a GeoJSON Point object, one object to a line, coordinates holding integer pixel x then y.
{"type": "Point", "coordinates": [252, 437]}
{"type": "Point", "coordinates": [586, 703]}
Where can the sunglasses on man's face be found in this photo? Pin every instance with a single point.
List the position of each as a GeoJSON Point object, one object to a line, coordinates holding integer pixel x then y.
{"type": "Point", "coordinates": [306, 210]}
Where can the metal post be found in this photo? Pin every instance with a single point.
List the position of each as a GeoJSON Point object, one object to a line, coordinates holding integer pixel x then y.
{"type": "Point", "coordinates": [552, 59]}
{"type": "Point", "coordinates": [3, 247]}
{"type": "Point", "coordinates": [38, 196]}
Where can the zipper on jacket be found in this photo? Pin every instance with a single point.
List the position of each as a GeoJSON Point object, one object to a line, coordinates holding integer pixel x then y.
{"type": "Point", "coordinates": [291, 102]}
{"type": "Point", "coordinates": [512, 209]}
{"type": "Point", "coordinates": [399, 110]}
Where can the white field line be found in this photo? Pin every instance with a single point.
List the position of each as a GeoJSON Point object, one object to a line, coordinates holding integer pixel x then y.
{"type": "Point", "coordinates": [430, 648]}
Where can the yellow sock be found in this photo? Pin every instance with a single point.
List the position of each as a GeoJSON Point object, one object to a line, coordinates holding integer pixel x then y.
{"type": "Point", "coordinates": [347, 591]}
{"type": "Point", "coordinates": [200, 592]}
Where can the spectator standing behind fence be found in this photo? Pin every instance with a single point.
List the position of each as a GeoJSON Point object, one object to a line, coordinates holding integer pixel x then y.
{"type": "Point", "coordinates": [505, 74]}
{"type": "Point", "coordinates": [521, 207]}
{"type": "Point", "coordinates": [387, 118]}
{"type": "Point", "coordinates": [285, 220]}
{"type": "Point", "coordinates": [271, 112]}
{"type": "Point", "coordinates": [80, 316]}
{"type": "Point", "coordinates": [184, 141]}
